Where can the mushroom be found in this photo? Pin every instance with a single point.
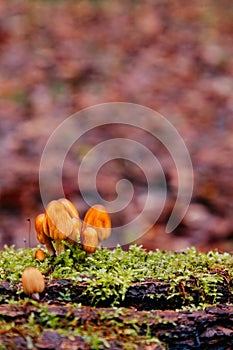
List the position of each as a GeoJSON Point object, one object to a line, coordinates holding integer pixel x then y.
{"type": "Point", "coordinates": [33, 282]}
{"type": "Point", "coordinates": [60, 222]}
{"type": "Point", "coordinates": [98, 218]}
{"type": "Point", "coordinates": [89, 240]}
{"type": "Point", "coordinates": [41, 236]}
{"type": "Point", "coordinates": [40, 255]}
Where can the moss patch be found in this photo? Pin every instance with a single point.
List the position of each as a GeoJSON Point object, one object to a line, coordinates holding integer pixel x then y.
{"type": "Point", "coordinates": [109, 274]}
{"type": "Point", "coordinates": [38, 324]}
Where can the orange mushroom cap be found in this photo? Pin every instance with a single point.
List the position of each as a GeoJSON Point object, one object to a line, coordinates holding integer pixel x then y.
{"type": "Point", "coordinates": [98, 218]}
{"type": "Point", "coordinates": [42, 237]}
{"type": "Point", "coordinates": [32, 281]}
{"type": "Point", "coordinates": [40, 255]}
{"type": "Point", "coordinates": [59, 215]}
{"type": "Point", "coordinates": [69, 206]}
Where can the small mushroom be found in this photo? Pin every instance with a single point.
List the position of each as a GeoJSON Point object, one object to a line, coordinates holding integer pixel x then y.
{"type": "Point", "coordinates": [41, 236]}
{"type": "Point", "coordinates": [40, 255]}
{"type": "Point", "coordinates": [75, 235]}
{"type": "Point", "coordinates": [33, 282]}
{"type": "Point", "coordinates": [89, 240]}
{"type": "Point", "coordinates": [98, 218]}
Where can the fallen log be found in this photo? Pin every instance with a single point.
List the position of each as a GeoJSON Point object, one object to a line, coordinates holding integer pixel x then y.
{"type": "Point", "coordinates": [55, 327]}
{"type": "Point", "coordinates": [146, 316]}
{"type": "Point", "coordinates": [146, 295]}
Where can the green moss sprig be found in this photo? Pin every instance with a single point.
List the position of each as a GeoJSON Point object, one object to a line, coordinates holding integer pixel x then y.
{"type": "Point", "coordinates": [108, 274]}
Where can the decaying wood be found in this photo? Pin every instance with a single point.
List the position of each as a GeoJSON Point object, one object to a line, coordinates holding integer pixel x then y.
{"type": "Point", "coordinates": [146, 301]}
{"type": "Point", "coordinates": [147, 295]}
{"type": "Point", "coordinates": [211, 328]}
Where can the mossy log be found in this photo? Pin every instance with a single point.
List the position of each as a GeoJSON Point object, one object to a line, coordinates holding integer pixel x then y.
{"type": "Point", "coordinates": [80, 312]}
{"type": "Point", "coordinates": [211, 328]}
{"type": "Point", "coordinates": [147, 295]}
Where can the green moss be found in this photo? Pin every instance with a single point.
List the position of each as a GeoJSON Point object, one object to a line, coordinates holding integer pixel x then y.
{"type": "Point", "coordinates": [100, 331]}
{"type": "Point", "coordinates": [108, 274]}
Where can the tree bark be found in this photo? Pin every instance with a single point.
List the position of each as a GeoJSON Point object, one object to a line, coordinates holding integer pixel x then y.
{"type": "Point", "coordinates": [211, 328]}
{"type": "Point", "coordinates": [146, 302]}
{"type": "Point", "coordinates": [147, 295]}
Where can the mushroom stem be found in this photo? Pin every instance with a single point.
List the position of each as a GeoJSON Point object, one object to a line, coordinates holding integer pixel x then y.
{"type": "Point", "coordinates": [60, 248]}
{"type": "Point", "coordinates": [36, 296]}
{"type": "Point", "coordinates": [50, 247]}
{"type": "Point", "coordinates": [71, 241]}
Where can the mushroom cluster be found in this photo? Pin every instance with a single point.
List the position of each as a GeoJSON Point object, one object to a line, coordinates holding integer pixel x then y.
{"type": "Point", "coordinates": [61, 222]}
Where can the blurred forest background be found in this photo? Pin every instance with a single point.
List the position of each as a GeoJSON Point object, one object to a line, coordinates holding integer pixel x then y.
{"type": "Point", "coordinates": [176, 57]}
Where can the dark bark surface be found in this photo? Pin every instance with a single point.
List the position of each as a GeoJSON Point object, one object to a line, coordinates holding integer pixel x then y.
{"type": "Point", "coordinates": [146, 307]}
{"type": "Point", "coordinates": [147, 295]}
{"type": "Point", "coordinates": [202, 329]}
